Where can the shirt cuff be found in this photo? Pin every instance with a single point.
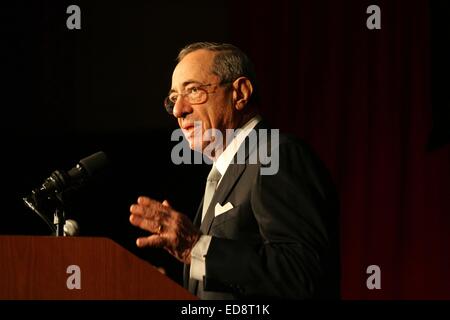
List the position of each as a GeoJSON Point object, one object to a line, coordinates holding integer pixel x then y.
{"type": "Point", "coordinates": [198, 253]}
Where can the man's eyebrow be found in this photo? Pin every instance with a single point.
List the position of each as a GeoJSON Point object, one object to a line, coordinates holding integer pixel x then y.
{"type": "Point", "coordinates": [186, 83]}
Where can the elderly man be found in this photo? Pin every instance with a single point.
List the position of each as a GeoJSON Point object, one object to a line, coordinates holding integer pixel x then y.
{"type": "Point", "coordinates": [255, 235]}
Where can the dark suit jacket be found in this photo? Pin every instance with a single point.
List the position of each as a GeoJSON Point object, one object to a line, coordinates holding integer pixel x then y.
{"type": "Point", "coordinates": [280, 239]}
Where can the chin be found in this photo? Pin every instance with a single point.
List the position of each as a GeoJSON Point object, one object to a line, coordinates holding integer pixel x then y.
{"type": "Point", "coordinates": [195, 140]}
{"type": "Point", "coordinates": [195, 146]}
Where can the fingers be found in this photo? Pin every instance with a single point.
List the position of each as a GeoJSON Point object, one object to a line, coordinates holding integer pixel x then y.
{"type": "Point", "coordinates": [149, 211]}
{"type": "Point", "coordinates": [149, 208]}
{"type": "Point", "coordinates": [150, 215]}
{"type": "Point", "coordinates": [152, 241]}
{"type": "Point", "coordinates": [146, 224]}
{"type": "Point", "coordinates": [172, 230]}
{"type": "Point", "coordinates": [146, 201]}
{"type": "Point", "coordinates": [137, 210]}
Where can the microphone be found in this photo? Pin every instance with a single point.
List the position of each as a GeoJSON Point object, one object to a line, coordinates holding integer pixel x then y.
{"type": "Point", "coordinates": [60, 181]}
{"type": "Point", "coordinates": [49, 195]}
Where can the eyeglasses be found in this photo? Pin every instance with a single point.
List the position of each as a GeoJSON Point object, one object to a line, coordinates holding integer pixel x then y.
{"type": "Point", "coordinates": [194, 95]}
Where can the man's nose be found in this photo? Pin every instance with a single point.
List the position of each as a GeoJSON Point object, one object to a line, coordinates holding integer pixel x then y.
{"type": "Point", "coordinates": [181, 108]}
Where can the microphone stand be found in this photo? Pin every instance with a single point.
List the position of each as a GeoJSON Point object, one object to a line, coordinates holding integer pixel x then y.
{"type": "Point", "coordinates": [52, 202]}
{"type": "Point", "coordinates": [59, 217]}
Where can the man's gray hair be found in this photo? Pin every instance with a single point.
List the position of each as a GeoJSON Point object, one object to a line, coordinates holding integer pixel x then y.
{"type": "Point", "coordinates": [230, 62]}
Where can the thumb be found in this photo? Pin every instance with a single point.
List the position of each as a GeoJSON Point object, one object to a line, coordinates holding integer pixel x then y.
{"type": "Point", "coordinates": [155, 241]}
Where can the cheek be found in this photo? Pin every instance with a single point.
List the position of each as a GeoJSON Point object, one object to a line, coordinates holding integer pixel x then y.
{"type": "Point", "coordinates": [217, 116]}
{"type": "Point", "coordinates": [206, 118]}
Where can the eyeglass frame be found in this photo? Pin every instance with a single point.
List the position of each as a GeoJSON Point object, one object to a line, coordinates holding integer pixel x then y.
{"type": "Point", "coordinates": [169, 104]}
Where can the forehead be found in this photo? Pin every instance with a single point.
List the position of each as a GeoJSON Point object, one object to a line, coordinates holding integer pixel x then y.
{"type": "Point", "coordinates": [194, 67]}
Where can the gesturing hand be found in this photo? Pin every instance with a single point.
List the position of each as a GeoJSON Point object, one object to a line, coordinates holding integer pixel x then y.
{"type": "Point", "coordinates": [170, 229]}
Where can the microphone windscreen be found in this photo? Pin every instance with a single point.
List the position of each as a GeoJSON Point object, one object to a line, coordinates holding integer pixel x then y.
{"type": "Point", "coordinates": [94, 162]}
{"type": "Point", "coordinates": [71, 228]}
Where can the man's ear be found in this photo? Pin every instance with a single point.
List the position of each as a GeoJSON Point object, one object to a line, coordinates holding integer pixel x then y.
{"type": "Point", "coordinates": [242, 91]}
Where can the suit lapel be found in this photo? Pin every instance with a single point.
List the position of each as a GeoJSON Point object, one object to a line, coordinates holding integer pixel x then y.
{"type": "Point", "coordinates": [227, 184]}
{"type": "Point", "coordinates": [229, 180]}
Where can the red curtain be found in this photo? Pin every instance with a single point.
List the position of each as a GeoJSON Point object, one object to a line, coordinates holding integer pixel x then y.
{"type": "Point", "coordinates": [362, 99]}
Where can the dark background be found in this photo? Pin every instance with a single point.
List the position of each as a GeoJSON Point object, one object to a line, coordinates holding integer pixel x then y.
{"type": "Point", "coordinates": [373, 103]}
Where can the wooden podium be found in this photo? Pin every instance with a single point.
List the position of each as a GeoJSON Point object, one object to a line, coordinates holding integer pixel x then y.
{"type": "Point", "coordinates": [61, 268]}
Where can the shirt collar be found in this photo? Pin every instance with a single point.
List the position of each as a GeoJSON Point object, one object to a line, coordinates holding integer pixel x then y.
{"type": "Point", "coordinates": [224, 160]}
